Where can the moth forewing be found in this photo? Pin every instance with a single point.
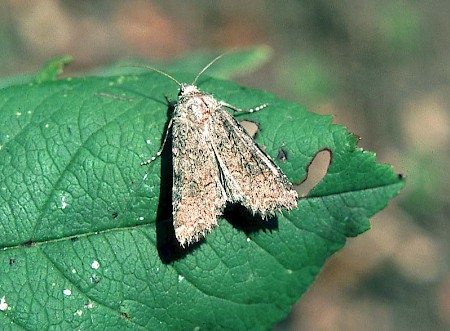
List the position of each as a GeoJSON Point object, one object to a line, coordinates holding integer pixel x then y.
{"type": "Point", "coordinates": [251, 177]}
{"type": "Point", "coordinates": [198, 197]}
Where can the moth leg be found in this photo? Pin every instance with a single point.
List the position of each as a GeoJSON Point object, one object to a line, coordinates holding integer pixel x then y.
{"type": "Point", "coordinates": [158, 153]}
{"type": "Point", "coordinates": [252, 110]}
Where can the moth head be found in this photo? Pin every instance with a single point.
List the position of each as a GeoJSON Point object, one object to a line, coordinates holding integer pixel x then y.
{"type": "Point", "coordinates": [188, 89]}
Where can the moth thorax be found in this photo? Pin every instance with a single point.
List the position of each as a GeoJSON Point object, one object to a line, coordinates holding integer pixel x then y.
{"type": "Point", "coordinates": [200, 111]}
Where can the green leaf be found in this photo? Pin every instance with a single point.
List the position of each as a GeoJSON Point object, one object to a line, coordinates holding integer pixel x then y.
{"type": "Point", "coordinates": [238, 62]}
{"type": "Point", "coordinates": [235, 63]}
{"type": "Point", "coordinates": [53, 68]}
{"type": "Point", "coordinates": [50, 71]}
{"type": "Point", "coordinates": [16, 80]}
{"type": "Point", "coordinates": [402, 30]}
{"type": "Point", "coordinates": [307, 75]}
{"type": "Point", "coordinates": [86, 239]}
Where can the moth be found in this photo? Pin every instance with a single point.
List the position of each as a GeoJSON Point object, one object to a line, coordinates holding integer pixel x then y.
{"type": "Point", "coordinates": [216, 162]}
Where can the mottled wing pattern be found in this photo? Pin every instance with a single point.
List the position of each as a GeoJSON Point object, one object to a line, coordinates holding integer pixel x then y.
{"type": "Point", "coordinates": [250, 177]}
{"type": "Point", "coordinates": [198, 196]}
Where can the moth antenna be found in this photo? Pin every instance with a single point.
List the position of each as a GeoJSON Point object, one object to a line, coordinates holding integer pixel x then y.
{"type": "Point", "coordinates": [159, 72]}
{"type": "Point", "coordinates": [207, 66]}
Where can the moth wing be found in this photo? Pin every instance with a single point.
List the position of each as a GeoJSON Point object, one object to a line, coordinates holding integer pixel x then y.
{"type": "Point", "coordinates": [250, 176]}
{"type": "Point", "coordinates": [198, 196]}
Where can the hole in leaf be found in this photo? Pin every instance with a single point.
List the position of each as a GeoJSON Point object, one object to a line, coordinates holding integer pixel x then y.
{"type": "Point", "coordinates": [282, 155]}
{"type": "Point", "coordinates": [250, 127]}
{"type": "Point", "coordinates": [27, 244]}
{"type": "Point", "coordinates": [124, 316]}
{"type": "Point", "coordinates": [317, 169]}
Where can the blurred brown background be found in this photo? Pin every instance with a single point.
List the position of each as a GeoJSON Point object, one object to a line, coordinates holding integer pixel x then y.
{"type": "Point", "coordinates": [382, 67]}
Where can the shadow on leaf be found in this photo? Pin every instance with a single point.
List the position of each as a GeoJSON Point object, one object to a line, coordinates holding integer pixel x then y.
{"type": "Point", "coordinates": [243, 220]}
